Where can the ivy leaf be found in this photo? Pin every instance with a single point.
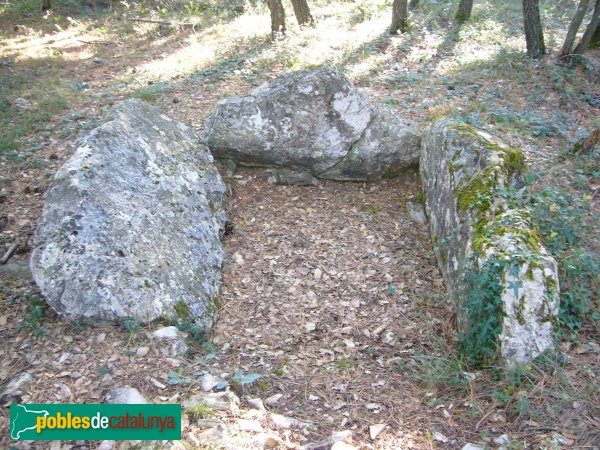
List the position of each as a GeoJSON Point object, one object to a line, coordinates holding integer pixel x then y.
{"type": "Point", "coordinates": [515, 286]}
{"type": "Point", "coordinates": [251, 377]}
{"type": "Point", "coordinates": [238, 375]}
{"type": "Point", "coordinates": [222, 385]}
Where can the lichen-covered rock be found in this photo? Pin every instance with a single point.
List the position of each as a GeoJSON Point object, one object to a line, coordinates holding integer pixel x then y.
{"type": "Point", "coordinates": [388, 146]}
{"type": "Point", "coordinates": [16, 388]}
{"type": "Point", "coordinates": [171, 341]}
{"type": "Point", "coordinates": [490, 255]}
{"type": "Point", "coordinates": [131, 224]}
{"type": "Point", "coordinates": [125, 395]}
{"type": "Point", "coordinates": [313, 120]}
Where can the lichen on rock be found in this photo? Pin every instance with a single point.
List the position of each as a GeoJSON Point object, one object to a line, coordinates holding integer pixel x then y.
{"type": "Point", "coordinates": [313, 120]}
{"type": "Point", "coordinates": [131, 224]}
{"type": "Point", "coordinates": [467, 179]}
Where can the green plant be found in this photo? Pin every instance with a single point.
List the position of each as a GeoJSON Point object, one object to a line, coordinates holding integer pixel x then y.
{"type": "Point", "coordinates": [34, 316]}
{"type": "Point", "coordinates": [432, 370]}
{"type": "Point", "coordinates": [481, 288]}
{"type": "Point", "coordinates": [199, 411]}
{"type": "Point", "coordinates": [567, 230]}
{"type": "Point", "coordinates": [131, 327]}
{"type": "Point", "coordinates": [178, 377]}
{"type": "Point", "coordinates": [153, 91]}
{"type": "Point", "coordinates": [373, 209]}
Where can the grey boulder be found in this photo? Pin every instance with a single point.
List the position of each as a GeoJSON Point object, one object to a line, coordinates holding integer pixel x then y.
{"type": "Point", "coordinates": [488, 251]}
{"type": "Point", "coordinates": [313, 120]}
{"type": "Point", "coordinates": [131, 224]}
{"type": "Point", "coordinates": [388, 146]}
{"type": "Point", "coordinates": [171, 341]}
{"type": "Point", "coordinates": [125, 395]}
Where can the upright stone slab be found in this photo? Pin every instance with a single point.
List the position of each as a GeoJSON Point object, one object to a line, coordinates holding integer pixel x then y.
{"type": "Point", "coordinates": [131, 224]}
{"type": "Point", "coordinates": [313, 120]}
{"type": "Point", "coordinates": [489, 254]}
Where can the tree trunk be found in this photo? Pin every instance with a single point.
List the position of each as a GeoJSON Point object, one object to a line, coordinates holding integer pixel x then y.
{"type": "Point", "coordinates": [302, 13]}
{"type": "Point", "coordinates": [277, 17]}
{"type": "Point", "coordinates": [574, 28]}
{"type": "Point", "coordinates": [464, 11]}
{"type": "Point", "coordinates": [595, 38]}
{"type": "Point", "coordinates": [46, 5]}
{"type": "Point", "coordinates": [534, 33]}
{"type": "Point", "coordinates": [399, 16]}
{"type": "Point", "coordinates": [591, 29]}
{"type": "Point", "coordinates": [413, 4]}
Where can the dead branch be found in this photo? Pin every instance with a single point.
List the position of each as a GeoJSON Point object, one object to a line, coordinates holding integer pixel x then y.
{"type": "Point", "coordinates": [161, 22]}
{"type": "Point", "coordinates": [10, 251]}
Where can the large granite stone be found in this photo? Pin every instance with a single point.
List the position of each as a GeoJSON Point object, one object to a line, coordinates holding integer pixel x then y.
{"type": "Point", "coordinates": [131, 224]}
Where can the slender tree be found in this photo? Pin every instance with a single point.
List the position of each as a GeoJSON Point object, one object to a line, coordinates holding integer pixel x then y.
{"type": "Point", "coordinates": [534, 33]}
{"type": "Point", "coordinates": [413, 4]}
{"type": "Point", "coordinates": [277, 17]}
{"type": "Point", "coordinates": [574, 28]}
{"type": "Point", "coordinates": [464, 11]}
{"type": "Point", "coordinates": [46, 5]}
{"type": "Point", "coordinates": [399, 16]}
{"type": "Point", "coordinates": [302, 13]}
{"type": "Point", "coordinates": [590, 31]}
{"type": "Point", "coordinates": [595, 38]}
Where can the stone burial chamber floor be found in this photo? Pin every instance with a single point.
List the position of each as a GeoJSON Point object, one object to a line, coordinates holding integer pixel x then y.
{"type": "Point", "coordinates": [328, 292]}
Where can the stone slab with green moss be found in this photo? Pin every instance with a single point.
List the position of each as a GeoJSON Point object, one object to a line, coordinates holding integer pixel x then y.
{"type": "Point", "coordinates": [488, 249]}
{"type": "Point", "coordinates": [131, 224]}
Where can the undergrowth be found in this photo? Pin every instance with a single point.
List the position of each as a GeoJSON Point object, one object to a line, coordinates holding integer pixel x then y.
{"type": "Point", "coordinates": [569, 228]}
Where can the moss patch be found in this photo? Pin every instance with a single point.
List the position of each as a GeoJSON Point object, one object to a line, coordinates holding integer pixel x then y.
{"type": "Point", "coordinates": [182, 310]}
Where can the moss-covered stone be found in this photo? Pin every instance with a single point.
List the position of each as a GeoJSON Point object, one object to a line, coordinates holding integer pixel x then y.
{"type": "Point", "coordinates": [466, 177]}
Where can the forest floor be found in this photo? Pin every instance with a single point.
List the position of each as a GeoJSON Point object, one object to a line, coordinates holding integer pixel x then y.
{"type": "Point", "coordinates": [330, 293]}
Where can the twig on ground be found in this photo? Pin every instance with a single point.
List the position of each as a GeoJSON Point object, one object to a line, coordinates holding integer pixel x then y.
{"type": "Point", "coordinates": [10, 251]}
{"type": "Point", "coordinates": [95, 42]}
{"type": "Point", "coordinates": [161, 22]}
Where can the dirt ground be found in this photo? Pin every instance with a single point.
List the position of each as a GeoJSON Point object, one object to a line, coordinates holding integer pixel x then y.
{"type": "Point", "coordinates": [331, 293]}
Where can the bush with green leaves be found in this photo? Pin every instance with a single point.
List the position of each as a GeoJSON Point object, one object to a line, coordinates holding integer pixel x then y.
{"type": "Point", "coordinates": [482, 307]}
{"type": "Point", "coordinates": [568, 233]}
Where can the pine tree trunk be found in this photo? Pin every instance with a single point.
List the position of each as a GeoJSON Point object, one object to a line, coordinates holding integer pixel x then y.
{"type": "Point", "coordinates": [399, 16]}
{"type": "Point", "coordinates": [534, 33]}
{"type": "Point", "coordinates": [277, 17]}
{"type": "Point", "coordinates": [46, 5]}
{"type": "Point", "coordinates": [595, 38]}
{"type": "Point", "coordinates": [464, 11]}
{"type": "Point", "coordinates": [591, 29]}
{"type": "Point", "coordinates": [302, 13]}
{"type": "Point", "coordinates": [574, 28]}
{"type": "Point", "coordinates": [413, 4]}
